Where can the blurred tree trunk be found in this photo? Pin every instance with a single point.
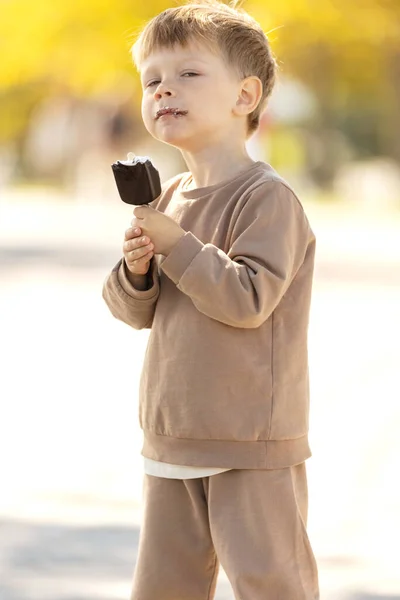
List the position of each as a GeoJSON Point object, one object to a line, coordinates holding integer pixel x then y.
{"type": "Point", "coordinates": [321, 77]}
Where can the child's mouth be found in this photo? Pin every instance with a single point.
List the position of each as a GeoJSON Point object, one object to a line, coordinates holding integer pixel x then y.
{"type": "Point", "coordinates": [175, 112]}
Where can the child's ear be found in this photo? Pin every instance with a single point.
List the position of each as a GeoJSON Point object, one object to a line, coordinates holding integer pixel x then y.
{"type": "Point", "coordinates": [249, 96]}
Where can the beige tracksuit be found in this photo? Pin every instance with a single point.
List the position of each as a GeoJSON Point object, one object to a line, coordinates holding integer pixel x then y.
{"type": "Point", "coordinates": [225, 384]}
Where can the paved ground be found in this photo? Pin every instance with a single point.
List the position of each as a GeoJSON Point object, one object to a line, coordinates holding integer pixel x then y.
{"type": "Point", "coordinates": [69, 442]}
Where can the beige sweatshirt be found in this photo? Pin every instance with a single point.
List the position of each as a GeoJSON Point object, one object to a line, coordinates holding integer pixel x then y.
{"type": "Point", "coordinates": [225, 375]}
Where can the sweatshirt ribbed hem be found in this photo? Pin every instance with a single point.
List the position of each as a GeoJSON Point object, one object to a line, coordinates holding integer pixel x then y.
{"type": "Point", "coordinates": [269, 454]}
{"type": "Point", "coordinates": [128, 288]}
{"type": "Point", "coordinates": [176, 263]}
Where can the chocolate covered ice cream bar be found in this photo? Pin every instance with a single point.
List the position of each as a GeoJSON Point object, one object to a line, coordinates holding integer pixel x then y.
{"type": "Point", "coordinates": [137, 179]}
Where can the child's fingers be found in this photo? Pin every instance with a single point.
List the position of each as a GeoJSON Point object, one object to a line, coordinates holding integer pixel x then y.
{"type": "Point", "coordinates": [139, 265]}
{"type": "Point", "coordinates": [133, 254]}
{"type": "Point", "coordinates": [145, 258]}
{"type": "Point", "coordinates": [132, 232]}
{"type": "Point", "coordinates": [138, 251]}
{"type": "Point", "coordinates": [136, 243]}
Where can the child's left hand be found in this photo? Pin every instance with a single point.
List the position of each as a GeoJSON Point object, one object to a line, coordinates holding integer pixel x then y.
{"type": "Point", "coordinates": [163, 231]}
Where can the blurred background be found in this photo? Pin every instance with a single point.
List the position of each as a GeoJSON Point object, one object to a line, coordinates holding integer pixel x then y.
{"type": "Point", "coordinates": [71, 470]}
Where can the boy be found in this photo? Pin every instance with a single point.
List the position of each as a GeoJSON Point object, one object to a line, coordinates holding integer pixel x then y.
{"type": "Point", "coordinates": [220, 268]}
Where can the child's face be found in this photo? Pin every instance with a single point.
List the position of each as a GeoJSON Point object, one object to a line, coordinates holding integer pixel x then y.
{"type": "Point", "coordinates": [200, 92]}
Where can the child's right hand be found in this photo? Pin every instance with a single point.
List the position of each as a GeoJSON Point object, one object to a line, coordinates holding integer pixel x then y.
{"type": "Point", "coordinates": [138, 251]}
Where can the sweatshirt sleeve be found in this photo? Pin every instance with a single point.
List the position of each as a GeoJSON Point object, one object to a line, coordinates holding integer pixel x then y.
{"type": "Point", "coordinates": [132, 306]}
{"type": "Point", "coordinates": [268, 245]}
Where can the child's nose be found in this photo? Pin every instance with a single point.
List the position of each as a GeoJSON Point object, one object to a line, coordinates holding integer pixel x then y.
{"type": "Point", "coordinates": [163, 90]}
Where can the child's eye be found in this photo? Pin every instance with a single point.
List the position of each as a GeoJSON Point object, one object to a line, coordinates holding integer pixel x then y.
{"type": "Point", "coordinates": [151, 83]}
{"type": "Point", "coordinates": [189, 74]}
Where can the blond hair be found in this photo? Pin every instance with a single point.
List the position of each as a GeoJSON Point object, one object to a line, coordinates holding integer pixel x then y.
{"type": "Point", "coordinates": [241, 40]}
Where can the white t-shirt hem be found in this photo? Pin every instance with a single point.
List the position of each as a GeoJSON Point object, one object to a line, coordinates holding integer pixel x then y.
{"type": "Point", "coordinates": [162, 469]}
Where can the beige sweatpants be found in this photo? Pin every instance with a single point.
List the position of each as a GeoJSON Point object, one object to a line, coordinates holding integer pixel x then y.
{"type": "Point", "coordinates": [252, 522]}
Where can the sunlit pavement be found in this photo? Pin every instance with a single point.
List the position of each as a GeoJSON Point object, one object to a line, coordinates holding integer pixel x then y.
{"type": "Point", "coordinates": [70, 444]}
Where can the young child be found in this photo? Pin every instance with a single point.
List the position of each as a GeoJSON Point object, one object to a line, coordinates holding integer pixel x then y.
{"type": "Point", "coordinates": [220, 268]}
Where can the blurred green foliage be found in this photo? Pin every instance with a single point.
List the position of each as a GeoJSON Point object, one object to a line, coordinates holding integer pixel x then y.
{"type": "Point", "coordinates": [347, 53]}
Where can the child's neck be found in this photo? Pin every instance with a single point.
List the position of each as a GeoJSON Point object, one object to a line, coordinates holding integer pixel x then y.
{"type": "Point", "coordinates": [212, 166]}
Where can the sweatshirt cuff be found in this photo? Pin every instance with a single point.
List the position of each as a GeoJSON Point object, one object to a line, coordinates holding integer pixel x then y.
{"type": "Point", "coordinates": [180, 257]}
{"type": "Point", "coordinates": [128, 288]}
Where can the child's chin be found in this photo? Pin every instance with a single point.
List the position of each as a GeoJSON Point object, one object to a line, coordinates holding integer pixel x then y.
{"type": "Point", "coordinates": [173, 140]}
